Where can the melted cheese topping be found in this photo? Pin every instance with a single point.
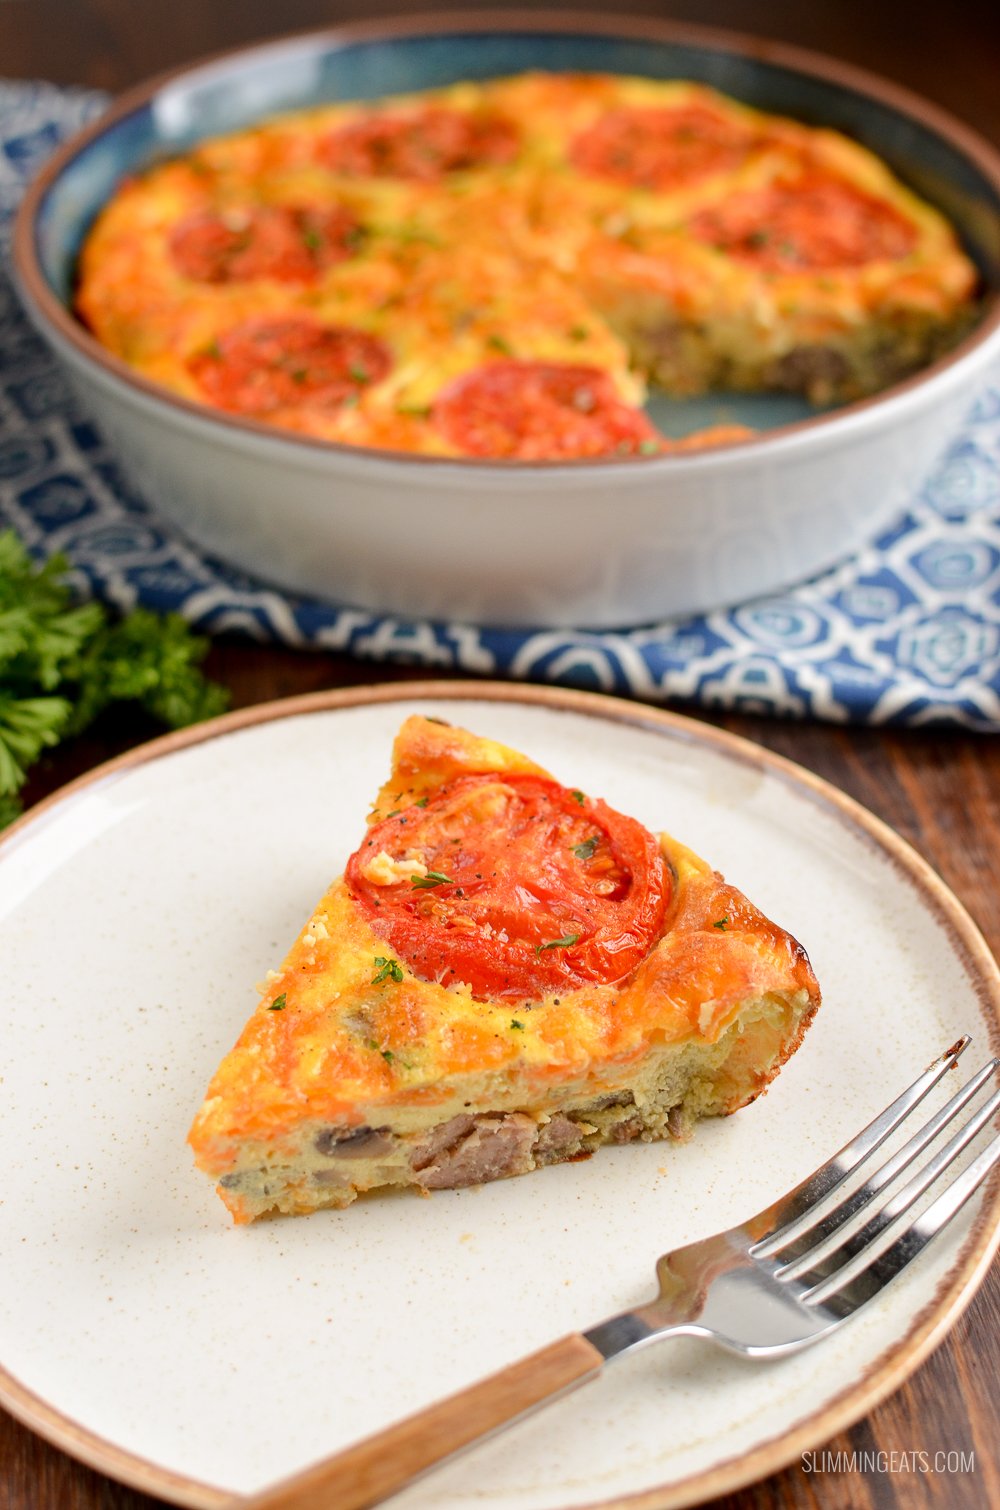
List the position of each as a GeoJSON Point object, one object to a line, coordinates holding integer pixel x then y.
{"type": "Point", "coordinates": [564, 243]}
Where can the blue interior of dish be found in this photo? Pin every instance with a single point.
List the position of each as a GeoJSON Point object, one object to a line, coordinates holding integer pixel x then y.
{"type": "Point", "coordinates": [236, 92]}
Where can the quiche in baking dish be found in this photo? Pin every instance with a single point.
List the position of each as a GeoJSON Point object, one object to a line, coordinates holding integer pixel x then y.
{"type": "Point", "coordinates": [508, 974]}
{"type": "Point", "coordinates": [502, 269]}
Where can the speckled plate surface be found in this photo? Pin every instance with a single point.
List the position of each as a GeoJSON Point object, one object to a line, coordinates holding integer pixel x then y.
{"type": "Point", "coordinates": [144, 1333]}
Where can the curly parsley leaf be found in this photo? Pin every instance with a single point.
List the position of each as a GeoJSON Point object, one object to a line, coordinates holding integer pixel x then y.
{"type": "Point", "coordinates": [62, 663]}
{"type": "Point", "coordinates": [386, 969]}
{"type": "Point", "coordinates": [432, 878]}
{"type": "Point", "coordinates": [150, 660]}
{"type": "Point", "coordinates": [28, 725]}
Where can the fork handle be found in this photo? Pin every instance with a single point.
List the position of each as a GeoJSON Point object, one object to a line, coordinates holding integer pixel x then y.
{"type": "Point", "coordinates": [369, 1472]}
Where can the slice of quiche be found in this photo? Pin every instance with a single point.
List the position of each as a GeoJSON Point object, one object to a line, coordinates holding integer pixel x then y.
{"type": "Point", "coordinates": [509, 974]}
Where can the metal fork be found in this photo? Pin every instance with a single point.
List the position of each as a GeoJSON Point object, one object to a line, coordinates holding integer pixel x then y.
{"type": "Point", "coordinates": [776, 1283]}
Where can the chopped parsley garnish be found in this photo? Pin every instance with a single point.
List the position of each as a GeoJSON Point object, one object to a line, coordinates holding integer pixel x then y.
{"type": "Point", "coordinates": [432, 878]}
{"type": "Point", "coordinates": [649, 447]}
{"type": "Point", "coordinates": [722, 923]}
{"type": "Point", "coordinates": [386, 969]}
{"type": "Point", "coordinates": [758, 238]}
{"type": "Point", "coordinates": [422, 802]}
{"type": "Point", "coordinates": [585, 850]}
{"type": "Point", "coordinates": [498, 343]}
{"type": "Point", "coordinates": [311, 238]}
{"type": "Point", "coordinates": [518, 1025]}
{"type": "Point", "coordinates": [579, 333]}
{"type": "Point", "coordinates": [563, 943]}
{"type": "Point", "coordinates": [395, 812]}
{"type": "Point", "coordinates": [578, 797]}
{"type": "Point", "coordinates": [387, 1054]}
{"type": "Point", "coordinates": [278, 1004]}
{"type": "Point", "coordinates": [213, 350]}
{"type": "Point", "coordinates": [358, 373]}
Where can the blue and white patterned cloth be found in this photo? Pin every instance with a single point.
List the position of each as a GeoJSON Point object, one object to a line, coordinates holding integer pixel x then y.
{"type": "Point", "coordinates": [907, 632]}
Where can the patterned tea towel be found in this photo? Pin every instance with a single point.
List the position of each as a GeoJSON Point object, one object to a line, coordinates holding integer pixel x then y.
{"type": "Point", "coordinates": [907, 632]}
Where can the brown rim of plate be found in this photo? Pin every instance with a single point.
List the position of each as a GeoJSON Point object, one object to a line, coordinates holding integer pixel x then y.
{"type": "Point", "coordinates": [899, 1360]}
{"type": "Point", "coordinates": [797, 60]}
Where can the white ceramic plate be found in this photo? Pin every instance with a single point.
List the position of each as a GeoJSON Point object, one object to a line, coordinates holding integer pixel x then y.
{"type": "Point", "coordinates": [142, 1331]}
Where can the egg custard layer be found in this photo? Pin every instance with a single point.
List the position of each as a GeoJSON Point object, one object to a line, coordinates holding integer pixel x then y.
{"type": "Point", "coordinates": [501, 269]}
{"type": "Point", "coordinates": [509, 974]}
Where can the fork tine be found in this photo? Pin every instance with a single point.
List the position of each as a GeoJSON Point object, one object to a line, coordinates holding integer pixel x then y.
{"type": "Point", "coordinates": [861, 1280]}
{"type": "Point", "coordinates": [797, 1210]}
{"type": "Point", "coordinates": [835, 1262]}
{"type": "Point", "coordinates": [805, 1252]}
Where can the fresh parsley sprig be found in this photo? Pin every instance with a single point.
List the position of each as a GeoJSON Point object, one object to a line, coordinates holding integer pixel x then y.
{"type": "Point", "coordinates": [62, 663]}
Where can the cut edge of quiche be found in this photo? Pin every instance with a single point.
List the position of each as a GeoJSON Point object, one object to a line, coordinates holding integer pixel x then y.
{"type": "Point", "coordinates": [360, 1072]}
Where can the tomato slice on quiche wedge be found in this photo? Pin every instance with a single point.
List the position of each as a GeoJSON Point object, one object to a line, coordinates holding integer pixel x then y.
{"type": "Point", "coordinates": [508, 974]}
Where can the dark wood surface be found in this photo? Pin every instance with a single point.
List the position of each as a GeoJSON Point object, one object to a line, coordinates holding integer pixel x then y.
{"type": "Point", "coordinates": [939, 789]}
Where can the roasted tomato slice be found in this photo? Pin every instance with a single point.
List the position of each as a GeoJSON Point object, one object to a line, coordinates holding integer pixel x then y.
{"type": "Point", "coordinates": [288, 361]}
{"type": "Point", "coordinates": [541, 411]}
{"type": "Point", "coordinates": [513, 884]}
{"type": "Point", "coordinates": [812, 222]}
{"type": "Point", "coordinates": [294, 244]}
{"type": "Point", "coordinates": [661, 146]}
{"type": "Point", "coordinates": [423, 144]}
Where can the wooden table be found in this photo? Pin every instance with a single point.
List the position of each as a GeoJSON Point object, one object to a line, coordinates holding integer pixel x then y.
{"type": "Point", "coordinates": [938, 789]}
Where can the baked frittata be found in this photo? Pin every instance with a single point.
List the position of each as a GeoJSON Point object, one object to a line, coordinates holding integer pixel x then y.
{"type": "Point", "coordinates": [509, 974]}
{"type": "Point", "coordinates": [501, 269]}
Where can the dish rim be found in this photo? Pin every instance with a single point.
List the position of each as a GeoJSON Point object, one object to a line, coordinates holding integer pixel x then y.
{"type": "Point", "coordinates": [898, 1360]}
{"type": "Point", "coordinates": [840, 422]}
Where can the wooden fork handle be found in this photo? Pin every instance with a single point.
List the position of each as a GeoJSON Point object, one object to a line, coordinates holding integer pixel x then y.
{"type": "Point", "coordinates": [380, 1465]}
